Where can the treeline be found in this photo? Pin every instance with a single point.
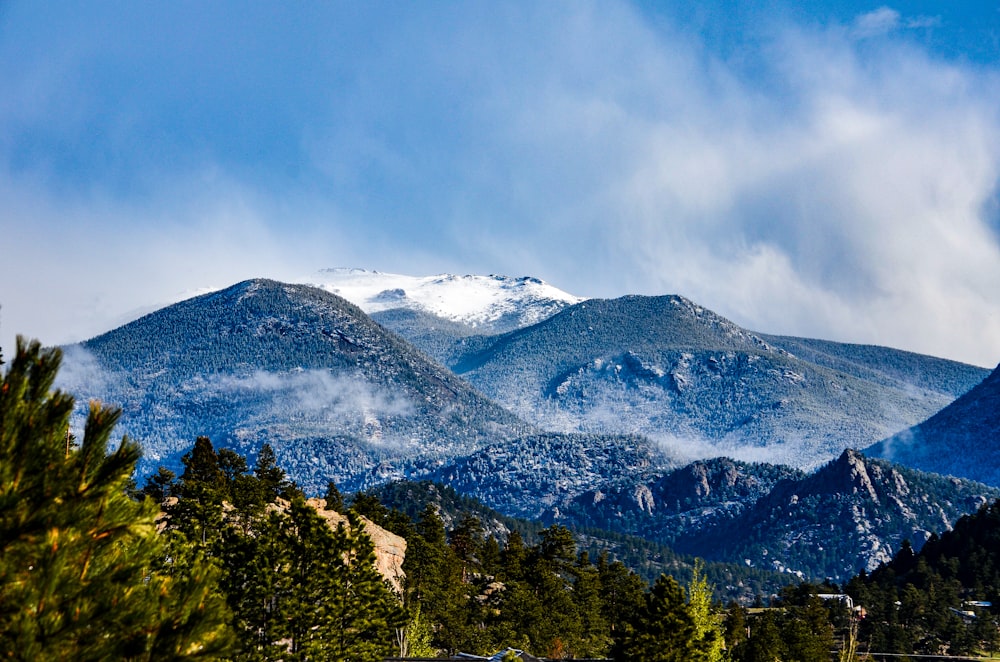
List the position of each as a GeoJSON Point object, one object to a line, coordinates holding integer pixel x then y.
{"type": "Point", "coordinates": [943, 600]}
{"type": "Point", "coordinates": [297, 588]}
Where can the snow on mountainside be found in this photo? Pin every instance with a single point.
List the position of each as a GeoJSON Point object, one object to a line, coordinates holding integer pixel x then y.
{"type": "Point", "coordinates": [493, 304]}
{"type": "Point", "coordinates": [667, 368]}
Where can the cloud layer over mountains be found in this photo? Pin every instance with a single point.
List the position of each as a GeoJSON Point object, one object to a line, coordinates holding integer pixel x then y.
{"type": "Point", "coordinates": [823, 175]}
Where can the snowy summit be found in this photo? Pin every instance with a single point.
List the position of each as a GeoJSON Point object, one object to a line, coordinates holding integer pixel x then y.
{"type": "Point", "coordinates": [497, 302]}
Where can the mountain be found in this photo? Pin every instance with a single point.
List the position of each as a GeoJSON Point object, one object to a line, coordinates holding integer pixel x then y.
{"type": "Point", "coordinates": [852, 513]}
{"type": "Point", "coordinates": [618, 394]}
{"type": "Point", "coordinates": [963, 439]}
{"type": "Point", "coordinates": [672, 370]}
{"type": "Point", "coordinates": [486, 304]}
{"type": "Point", "coordinates": [335, 394]}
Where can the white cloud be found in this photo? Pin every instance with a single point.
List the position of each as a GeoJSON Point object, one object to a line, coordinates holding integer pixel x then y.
{"type": "Point", "coordinates": [876, 23]}
{"type": "Point", "coordinates": [846, 202]}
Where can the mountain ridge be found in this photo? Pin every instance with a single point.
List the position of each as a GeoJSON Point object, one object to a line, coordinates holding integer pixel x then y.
{"type": "Point", "coordinates": [670, 369]}
{"type": "Point", "coordinates": [852, 513]}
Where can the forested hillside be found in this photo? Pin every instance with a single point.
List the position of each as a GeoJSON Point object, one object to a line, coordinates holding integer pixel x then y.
{"type": "Point", "coordinates": [944, 599]}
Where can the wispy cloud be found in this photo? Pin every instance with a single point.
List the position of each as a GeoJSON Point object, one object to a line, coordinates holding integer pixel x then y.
{"type": "Point", "coordinates": [876, 23]}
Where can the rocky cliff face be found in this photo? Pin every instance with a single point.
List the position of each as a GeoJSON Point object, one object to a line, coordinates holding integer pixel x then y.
{"type": "Point", "coordinates": [390, 549]}
{"type": "Point", "coordinates": [851, 514]}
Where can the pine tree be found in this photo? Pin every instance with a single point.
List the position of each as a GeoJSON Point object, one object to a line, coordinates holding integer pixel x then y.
{"type": "Point", "coordinates": [334, 499]}
{"type": "Point", "coordinates": [202, 489]}
{"type": "Point", "coordinates": [595, 633]}
{"type": "Point", "coordinates": [83, 573]}
{"type": "Point", "coordinates": [664, 630]}
{"type": "Point", "coordinates": [160, 485]}
{"type": "Point", "coordinates": [622, 596]}
{"type": "Point", "coordinates": [765, 643]}
{"type": "Point", "coordinates": [271, 476]}
{"type": "Point", "coordinates": [340, 607]}
{"type": "Point", "coordinates": [735, 625]}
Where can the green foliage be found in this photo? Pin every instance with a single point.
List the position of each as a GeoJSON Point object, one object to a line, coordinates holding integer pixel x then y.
{"type": "Point", "coordinates": [83, 573]}
{"type": "Point", "coordinates": [334, 499]}
{"type": "Point", "coordinates": [664, 629]}
{"type": "Point", "coordinates": [160, 485]}
{"type": "Point", "coordinates": [708, 635]}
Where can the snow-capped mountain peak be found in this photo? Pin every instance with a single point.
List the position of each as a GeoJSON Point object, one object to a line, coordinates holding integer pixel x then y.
{"type": "Point", "coordinates": [498, 303]}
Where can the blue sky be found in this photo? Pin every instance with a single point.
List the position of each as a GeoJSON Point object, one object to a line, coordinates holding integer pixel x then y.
{"type": "Point", "coordinates": [820, 169]}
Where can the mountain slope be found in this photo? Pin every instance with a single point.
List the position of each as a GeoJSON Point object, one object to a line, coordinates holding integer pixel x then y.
{"type": "Point", "coordinates": [675, 506]}
{"type": "Point", "coordinates": [963, 439]}
{"type": "Point", "coordinates": [524, 476]}
{"type": "Point", "coordinates": [336, 395]}
{"type": "Point", "coordinates": [670, 369]}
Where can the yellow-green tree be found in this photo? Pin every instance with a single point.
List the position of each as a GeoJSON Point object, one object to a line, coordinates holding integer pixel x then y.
{"type": "Point", "coordinates": [708, 632]}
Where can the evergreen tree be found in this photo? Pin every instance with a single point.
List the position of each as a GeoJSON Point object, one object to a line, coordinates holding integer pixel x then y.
{"type": "Point", "coordinates": [808, 632]}
{"type": "Point", "coordinates": [334, 499]}
{"type": "Point", "coordinates": [83, 572]}
{"type": "Point", "coordinates": [271, 476]}
{"type": "Point", "coordinates": [622, 593]}
{"type": "Point", "coordinates": [233, 466]}
{"type": "Point", "coordinates": [160, 485]}
{"type": "Point", "coordinates": [301, 590]}
{"type": "Point", "coordinates": [595, 633]}
{"type": "Point", "coordinates": [201, 490]}
{"type": "Point", "coordinates": [735, 625]}
{"type": "Point", "coordinates": [765, 643]}
{"type": "Point", "coordinates": [513, 558]}
{"type": "Point", "coordinates": [664, 630]}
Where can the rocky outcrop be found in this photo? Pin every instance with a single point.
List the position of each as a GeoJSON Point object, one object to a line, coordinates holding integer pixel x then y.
{"type": "Point", "coordinates": [390, 549]}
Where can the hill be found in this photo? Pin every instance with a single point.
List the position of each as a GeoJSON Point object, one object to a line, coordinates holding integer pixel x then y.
{"type": "Point", "coordinates": [851, 514]}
